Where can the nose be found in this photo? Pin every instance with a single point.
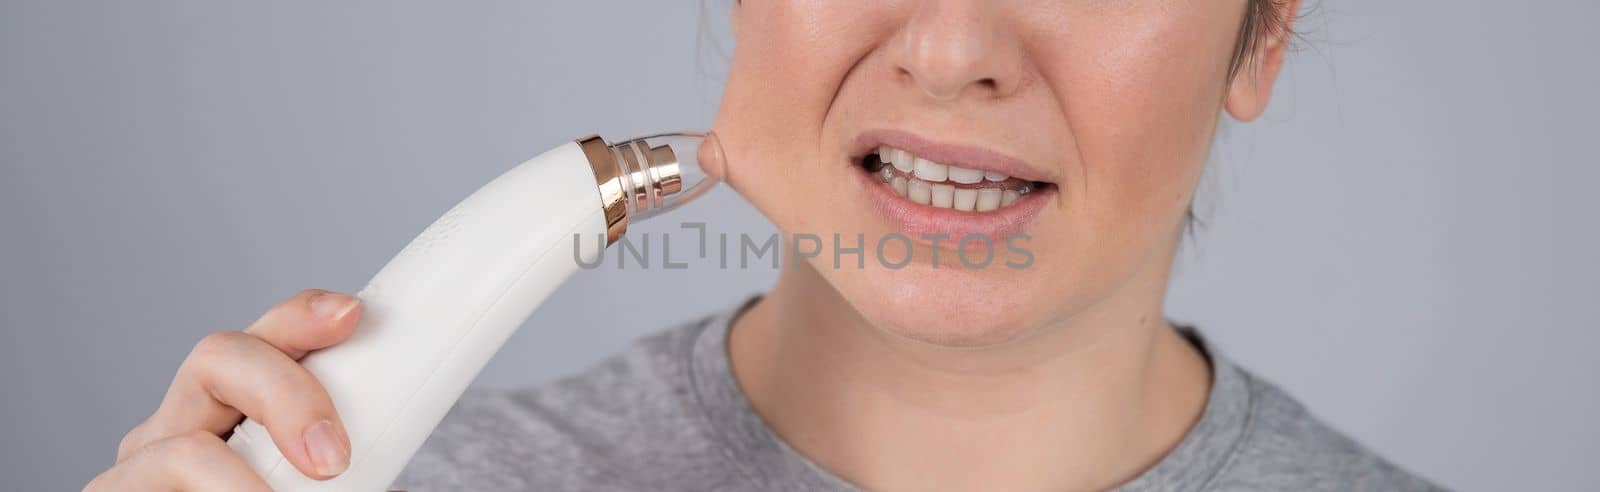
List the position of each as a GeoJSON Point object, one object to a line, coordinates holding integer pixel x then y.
{"type": "Point", "coordinates": [948, 48]}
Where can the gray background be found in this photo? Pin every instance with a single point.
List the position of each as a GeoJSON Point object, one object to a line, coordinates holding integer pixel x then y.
{"type": "Point", "coordinates": [1404, 242]}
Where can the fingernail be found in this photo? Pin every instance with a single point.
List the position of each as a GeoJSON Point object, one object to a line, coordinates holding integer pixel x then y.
{"type": "Point", "coordinates": [327, 451]}
{"type": "Point", "coordinates": [332, 305]}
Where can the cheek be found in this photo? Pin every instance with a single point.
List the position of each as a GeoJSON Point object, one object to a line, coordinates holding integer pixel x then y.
{"type": "Point", "coordinates": [1142, 96]}
{"type": "Point", "coordinates": [787, 65]}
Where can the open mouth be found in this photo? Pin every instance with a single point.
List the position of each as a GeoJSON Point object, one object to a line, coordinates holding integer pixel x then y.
{"type": "Point", "coordinates": [948, 186]}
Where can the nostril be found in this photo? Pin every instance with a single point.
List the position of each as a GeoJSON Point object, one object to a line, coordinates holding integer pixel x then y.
{"type": "Point", "coordinates": [946, 89]}
{"type": "Point", "coordinates": [905, 75]}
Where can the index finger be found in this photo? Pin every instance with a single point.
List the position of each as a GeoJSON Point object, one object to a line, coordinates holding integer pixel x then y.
{"type": "Point", "coordinates": [310, 320]}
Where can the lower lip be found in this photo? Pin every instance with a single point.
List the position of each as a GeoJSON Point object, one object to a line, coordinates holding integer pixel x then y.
{"type": "Point", "coordinates": [916, 220]}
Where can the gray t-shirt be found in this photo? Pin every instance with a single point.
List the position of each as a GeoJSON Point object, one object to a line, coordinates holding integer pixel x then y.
{"type": "Point", "coordinates": [666, 414]}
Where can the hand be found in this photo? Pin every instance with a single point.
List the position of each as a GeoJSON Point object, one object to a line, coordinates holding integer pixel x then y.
{"type": "Point", "coordinates": [228, 376]}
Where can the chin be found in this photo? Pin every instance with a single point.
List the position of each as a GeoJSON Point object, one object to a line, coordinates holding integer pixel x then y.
{"type": "Point", "coordinates": [943, 307]}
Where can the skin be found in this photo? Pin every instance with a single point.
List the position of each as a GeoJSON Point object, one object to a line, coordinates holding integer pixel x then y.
{"type": "Point", "coordinates": [1061, 376]}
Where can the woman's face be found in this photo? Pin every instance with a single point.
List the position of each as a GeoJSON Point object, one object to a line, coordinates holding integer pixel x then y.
{"type": "Point", "coordinates": [1099, 113]}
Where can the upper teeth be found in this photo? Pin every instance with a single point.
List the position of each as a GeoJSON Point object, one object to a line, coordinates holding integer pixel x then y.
{"type": "Point", "coordinates": [933, 171]}
{"type": "Point", "coordinates": [924, 181]}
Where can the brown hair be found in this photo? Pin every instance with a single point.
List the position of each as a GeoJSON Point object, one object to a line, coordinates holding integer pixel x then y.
{"type": "Point", "coordinates": [1261, 18]}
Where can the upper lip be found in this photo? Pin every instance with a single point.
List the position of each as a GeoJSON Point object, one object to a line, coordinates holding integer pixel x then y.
{"type": "Point", "coordinates": [970, 157]}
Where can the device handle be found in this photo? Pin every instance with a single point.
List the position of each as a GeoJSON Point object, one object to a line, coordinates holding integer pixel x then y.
{"type": "Point", "coordinates": [437, 312]}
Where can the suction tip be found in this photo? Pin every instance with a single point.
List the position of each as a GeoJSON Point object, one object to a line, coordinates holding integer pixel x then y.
{"type": "Point", "coordinates": [711, 158]}
{"type": "Point", "coordinates": [661, 172]}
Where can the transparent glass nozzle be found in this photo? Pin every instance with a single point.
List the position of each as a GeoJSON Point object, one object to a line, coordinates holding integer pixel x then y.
{"type": "Point", "coordinates": [661, 172]}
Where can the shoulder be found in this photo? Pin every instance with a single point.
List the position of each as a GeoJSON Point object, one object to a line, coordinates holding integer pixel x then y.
{"type": "Point", "coordinates": [602, 429]}
{"type": "Point", "coordinates": [1285, 447]}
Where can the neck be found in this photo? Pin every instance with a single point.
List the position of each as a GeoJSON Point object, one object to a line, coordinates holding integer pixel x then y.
{"type": "Point", "coordinates": [1082, 405]}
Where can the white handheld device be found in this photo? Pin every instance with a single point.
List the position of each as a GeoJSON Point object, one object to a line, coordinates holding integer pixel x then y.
{"type": "Point", "coordinates": [436, 313]}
